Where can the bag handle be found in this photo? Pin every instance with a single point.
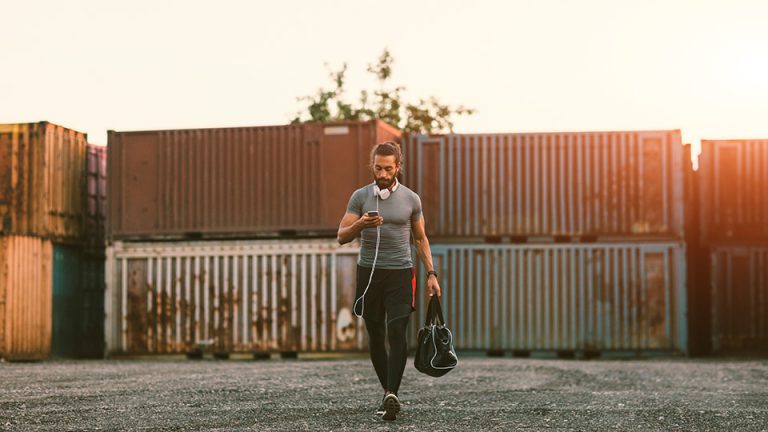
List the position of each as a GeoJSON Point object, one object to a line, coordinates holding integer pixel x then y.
{"type": "Point", "coordinates": [434, 312]}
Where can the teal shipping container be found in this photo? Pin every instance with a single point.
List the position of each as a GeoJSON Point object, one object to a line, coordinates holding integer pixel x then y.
{"type": "Point", "coordinates": [571, 298]}
{"type": "Point", "coordinates": [78, 303]}
{"type": "Point", "coordinates": [66, 285]}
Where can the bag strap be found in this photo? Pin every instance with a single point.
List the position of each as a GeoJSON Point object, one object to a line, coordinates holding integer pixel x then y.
{"type": "Point", "coordinates": [434, 312]}
{"type": "Point", "coordinates": [430, 315]}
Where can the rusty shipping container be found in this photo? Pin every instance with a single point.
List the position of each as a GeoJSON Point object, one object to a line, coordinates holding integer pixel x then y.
{"type": "Point", "coordinates": [608, 185]}
{"type": "Point", "coordinates": [25, 298]}
{"type": "Point", "coordinates": [237, 182]}
{"type": "Point", "coordinates": [42, 180]}
{"type": "Point", "coordinates": [608, 297]}
{"type": "Point", "coordinates": [232, 296]}
{"type": "Point", "coordinates": [739, 290]}
{"type": "Point", "coordinates": [733, 179]}
{"type": "Point", "coordinates": [96, 197]}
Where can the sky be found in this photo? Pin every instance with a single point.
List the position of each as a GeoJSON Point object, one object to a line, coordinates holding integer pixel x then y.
{"type": "Point", "coordinates": [525, 66]}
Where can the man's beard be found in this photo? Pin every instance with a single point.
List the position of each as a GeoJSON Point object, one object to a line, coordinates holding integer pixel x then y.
{"type": "Point", "coordinates": [384, 183]}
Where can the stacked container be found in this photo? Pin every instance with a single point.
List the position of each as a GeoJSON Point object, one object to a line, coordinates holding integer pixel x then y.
{"type": "Point", "coordinates": [43, 211]}
{"type": "Point", "coordinates": [560, 242]}
{"type": "Point", "coordinates": [733, 236]}
{"type": "Point", "coordinates": [224, 239]}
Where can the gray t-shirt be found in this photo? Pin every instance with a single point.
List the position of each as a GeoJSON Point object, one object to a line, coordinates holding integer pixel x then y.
{"type": "Point", "coordinates": [400, 210]}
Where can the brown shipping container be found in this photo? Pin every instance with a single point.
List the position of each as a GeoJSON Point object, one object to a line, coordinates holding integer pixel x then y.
{"type": "Point", "coordinates": [240, 182]}
{"type": "Point", "coordinates": [739, 289]}
{"type": "Point", "coordinates": [42, 180]}
{"type": "Point", "coordinates": [25, 298]}
{"type": "Point", "coordinates": [96, 197]}
{"type": "Point", "coordinates": [232, 296]}
{"type": "Point", "coordinates": [597, 297]}
{"type": "Point", "coordinates": [605, 184]}
{"type": "Point", "coordinates": [733, 179]}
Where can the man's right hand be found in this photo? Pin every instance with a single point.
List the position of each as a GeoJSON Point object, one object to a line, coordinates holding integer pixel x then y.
{"type": "Point", "coordinates": [369, 221]}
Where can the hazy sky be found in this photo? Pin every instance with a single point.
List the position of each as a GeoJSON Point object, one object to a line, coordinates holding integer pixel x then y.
{"type": "Point", "coordinates": [544, 65]}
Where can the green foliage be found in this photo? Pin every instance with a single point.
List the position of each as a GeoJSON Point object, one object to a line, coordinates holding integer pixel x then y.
{"type": "Point", "coordinates": [385, 103]}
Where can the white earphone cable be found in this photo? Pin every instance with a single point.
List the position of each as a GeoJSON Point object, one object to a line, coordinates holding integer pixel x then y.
{"type": "Point", "coordinates": [370, 278]}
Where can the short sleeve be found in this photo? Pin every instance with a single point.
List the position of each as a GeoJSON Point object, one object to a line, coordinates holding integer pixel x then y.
{"type": "Point", "coordinates": [416, 213]}
{"type": "Point", "coordinates": [356, 202]}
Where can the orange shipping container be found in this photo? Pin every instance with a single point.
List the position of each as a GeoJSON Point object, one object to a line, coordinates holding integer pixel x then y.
{"type": "Point", "coordinates": [42, 180]}
{"type": "Point", "coordinates": [237, 182]}
{"type": "Point", "coordinates": [25, 298]}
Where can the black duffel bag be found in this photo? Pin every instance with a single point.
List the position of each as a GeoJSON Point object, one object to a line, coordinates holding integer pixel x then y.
{"type": "Point", "coordinates": [435, 355]}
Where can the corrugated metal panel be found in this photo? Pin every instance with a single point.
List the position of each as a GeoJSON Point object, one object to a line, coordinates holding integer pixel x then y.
{"type": "Point", "coordinates": [239, 296]}
{"type": "Point", "coordinates": [25, 298]}
{"type": "Point", "coordinates": [67, 270]}
{"type": "Point", "coordinates": [734, 190]}
{"type": "Point", "coordinates": [96, 196]}
{"type": "Point", "coordinates": [578, 297]}
{"type": "Point", "coordinates": [42, 180]}
{"type": "Point", "coordinates": [78, 303]}
{"type": "Point", "coordinates": [237, 181]}
{"type": "Point", "coordinates": [531, 184]}
{"type": "Point", "coordinates": [739, 288]}
{"type": "Point", "coordinates": [91, 306]}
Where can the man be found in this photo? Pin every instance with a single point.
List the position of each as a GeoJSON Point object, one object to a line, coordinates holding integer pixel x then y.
{"type": "Point", "coordinates": [386, 296]}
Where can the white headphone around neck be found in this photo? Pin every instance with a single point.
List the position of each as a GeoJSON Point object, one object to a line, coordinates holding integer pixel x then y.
{"type": "Point", "coordinates": [385, 193]}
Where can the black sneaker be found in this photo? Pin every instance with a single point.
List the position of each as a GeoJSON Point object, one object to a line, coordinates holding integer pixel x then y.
{"type": "Point", "coordinates": [391, 406]}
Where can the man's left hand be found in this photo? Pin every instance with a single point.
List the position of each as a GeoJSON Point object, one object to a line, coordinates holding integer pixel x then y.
{"type": "Point", "coordinates": [433, 287]}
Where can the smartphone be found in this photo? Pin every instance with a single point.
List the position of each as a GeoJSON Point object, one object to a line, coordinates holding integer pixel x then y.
{"type": "Point", "coordinates": [373, 213]}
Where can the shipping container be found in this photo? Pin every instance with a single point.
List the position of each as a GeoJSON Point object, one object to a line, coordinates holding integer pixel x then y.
{"type": "Point", "coordinates": [600, 185]}
{"type": "Point", "coordinates": [739, 289]}
{"type": "Point", "coordinates": [237, 182]}
{"type": "Point", "coordinates": [66, 312]}
{"type": "Point", "coordinates": [232, 296]}
{"type": "Point", "coordinates": [96, 197]}
{"type": "Point", "coordinates": [575, 298]}
{"type": "Point", "coordinates": [25, 298]}
{"type": "Point", "coordinates": [91, 306]}
{"type": "Point", "coordinates": [78, 303]}
{"type": "Point", "coordinates": [733, 177]}
{"type": "Point", "coordinates": [42, 181]}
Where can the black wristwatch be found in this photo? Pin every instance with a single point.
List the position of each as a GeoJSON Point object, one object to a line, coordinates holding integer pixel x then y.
{"type": "Point", "coordinates": [431, 272]}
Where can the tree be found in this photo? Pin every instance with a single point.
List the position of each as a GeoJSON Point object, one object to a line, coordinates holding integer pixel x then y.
{"type": "Point", "coordinates": [385, 103]}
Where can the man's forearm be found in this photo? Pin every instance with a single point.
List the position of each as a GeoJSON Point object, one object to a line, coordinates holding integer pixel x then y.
{"type": "Point", "coordinates": [347, 234]}
{"type": "Point", "coordinates": [422, 248]}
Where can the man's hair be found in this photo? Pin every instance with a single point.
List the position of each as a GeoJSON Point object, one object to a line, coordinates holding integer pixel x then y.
{"type": "Point", "coordinates": [388, 148]}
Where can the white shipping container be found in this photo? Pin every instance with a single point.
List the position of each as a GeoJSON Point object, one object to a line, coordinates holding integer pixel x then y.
{"type": "Point", "coordinates": [232, 296]}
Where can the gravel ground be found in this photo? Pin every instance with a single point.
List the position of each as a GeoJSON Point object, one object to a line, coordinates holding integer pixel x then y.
{"type": "Point", "coordinates": [342, 394]}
